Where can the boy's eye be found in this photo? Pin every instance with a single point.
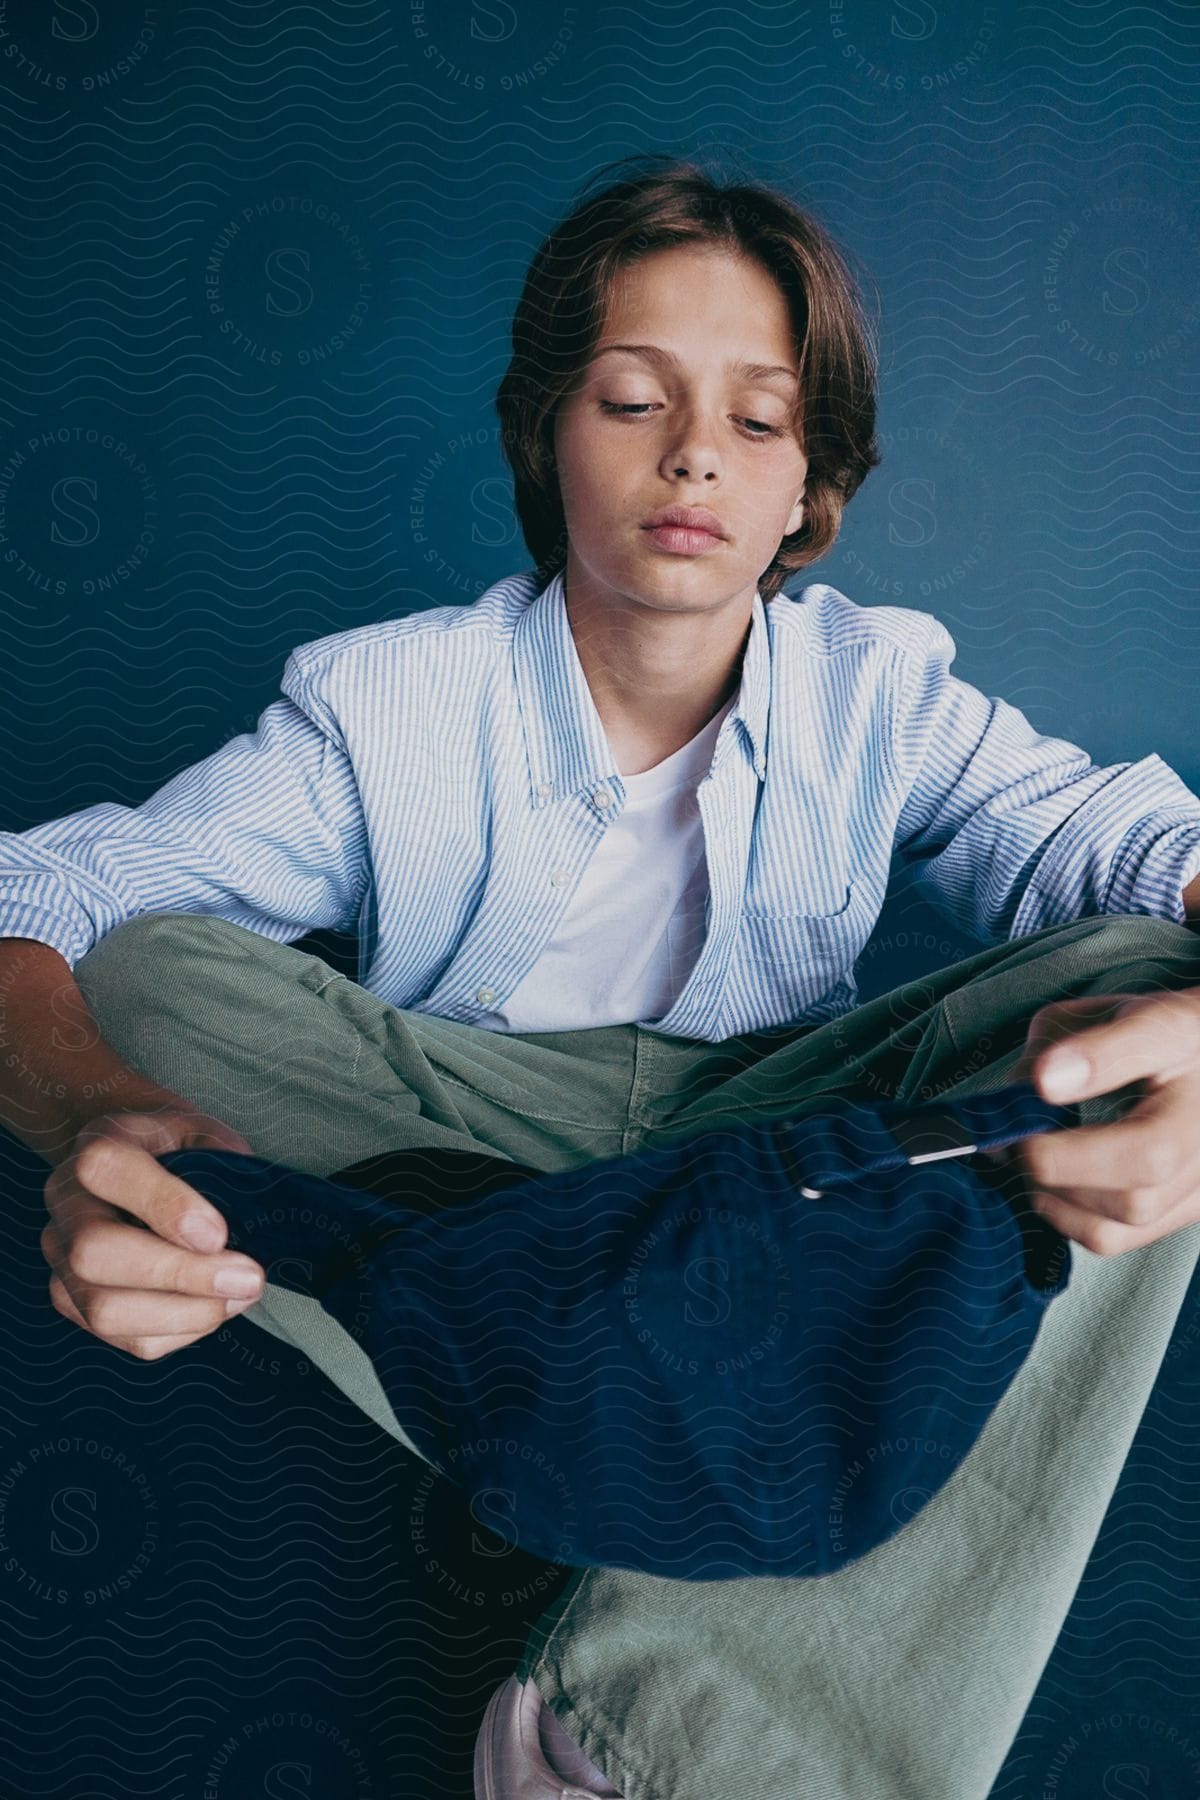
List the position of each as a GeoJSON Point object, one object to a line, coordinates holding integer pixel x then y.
{"type": "Point", "coordinates": [758, 427]}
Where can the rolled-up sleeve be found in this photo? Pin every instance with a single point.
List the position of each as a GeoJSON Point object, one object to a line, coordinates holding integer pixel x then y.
{"type": "Point", "coordinates": [268, 832]}
{"type": "Point", "coordinates": [1011, 831]}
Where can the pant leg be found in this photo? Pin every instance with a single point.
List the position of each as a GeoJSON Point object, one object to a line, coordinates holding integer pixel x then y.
{"type": "Point", "coordinates": [319, 1074]}
{"type": "Point", "coordinates": [908, 1672]}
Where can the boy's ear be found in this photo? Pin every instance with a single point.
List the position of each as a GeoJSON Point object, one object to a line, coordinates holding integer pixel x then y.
{"type": "Point", "coordinates": [795, 518]}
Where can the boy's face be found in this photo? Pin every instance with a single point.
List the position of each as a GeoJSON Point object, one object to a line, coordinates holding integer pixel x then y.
{"type": "Point", "coordinates": [704, 433]}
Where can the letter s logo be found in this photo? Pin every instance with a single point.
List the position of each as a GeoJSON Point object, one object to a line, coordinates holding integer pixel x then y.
{"type": "Point", "coordinates": [280, 271]}
{"type": "Point", "coordinates": [1130, 261]}
{"type": "Point", "coordinates": [85, 15]}
{"type": "Point", "coordinates": [72, 489]}
{"type": "Point", "coordinates": [713, 1291]}
{"type": "Point", "coordinates": [1120, 1779]}
{"type": "Point", "coordinates": [912, 501]}
{"type": "Point", "coordinates": [920, 22]}
{"type": "Point", "coordinates": [503, 16]}
{"type": "Point", "coordinates": [81, 1519]}
{"type": "Point", "coordinates": [290, 1268]}
{"type": "Point", "coordinates": [500, 514]}
{"type": "Point", "coordinates": [908, 1503]}
{"type": "Point", "coordinates": [277, 1784]}
{"type": "Point", "coordinates": [495, 1509]}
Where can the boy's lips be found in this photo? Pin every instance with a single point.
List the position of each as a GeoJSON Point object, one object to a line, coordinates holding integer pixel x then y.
{"type": "Point", "coordinates": [688, 518]}
{"type": "Point", "coordinates": [683, 540]}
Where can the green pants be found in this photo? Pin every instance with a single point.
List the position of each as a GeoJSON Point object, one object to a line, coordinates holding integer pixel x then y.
{"type": "Point", "coordinates": [906, 1673]}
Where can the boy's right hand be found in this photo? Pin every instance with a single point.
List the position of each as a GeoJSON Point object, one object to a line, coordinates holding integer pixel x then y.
{"type": "Point", "coordinates": [147, 1286]}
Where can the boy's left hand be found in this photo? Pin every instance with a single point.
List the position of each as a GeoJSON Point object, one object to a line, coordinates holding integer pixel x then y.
{"type": "Point", "coordinates": [1117, 1186]}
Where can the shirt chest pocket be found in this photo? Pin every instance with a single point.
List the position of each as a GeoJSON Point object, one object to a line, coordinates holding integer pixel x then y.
{"type": "Point", "coordinates": [800, 964]}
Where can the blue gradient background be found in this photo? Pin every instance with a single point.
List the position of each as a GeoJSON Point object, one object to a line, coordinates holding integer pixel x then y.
{"type": "Point", "coordinates": [231, 422]}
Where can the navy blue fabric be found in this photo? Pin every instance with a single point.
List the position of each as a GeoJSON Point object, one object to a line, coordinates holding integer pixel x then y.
{"type": "Point", "coordinates": [559, 1340]}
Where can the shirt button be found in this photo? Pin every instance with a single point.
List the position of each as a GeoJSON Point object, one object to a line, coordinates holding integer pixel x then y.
{"type": "Point", "coordinates": [545, 787]}
{"type": "Point", "coordinates": [484, 994]}
{"type": "Point", "coordinates": [602, 797]}
{"type": "Point", "coordinates": [561, 877]}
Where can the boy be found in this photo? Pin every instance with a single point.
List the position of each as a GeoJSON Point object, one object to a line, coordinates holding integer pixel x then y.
{"type": "Point", "coordinates": [635, 800]}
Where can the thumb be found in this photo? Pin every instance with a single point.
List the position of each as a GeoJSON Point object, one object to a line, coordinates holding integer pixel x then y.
{"type": "Point", "coordinates": [1064, 1019]}
{"type": "Point", "coordinates": [1051, 1025]}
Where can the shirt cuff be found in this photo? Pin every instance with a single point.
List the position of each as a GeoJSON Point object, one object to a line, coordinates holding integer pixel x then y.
{"type": "Point", "coordinates": [1159, 860]}
{"type": "Point", "coordinates": [26, 919]}
{"type": "Point", "coordinates": [1130, 847]}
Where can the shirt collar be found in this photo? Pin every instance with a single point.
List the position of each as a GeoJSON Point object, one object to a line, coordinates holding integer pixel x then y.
{"type": "Point", "coordinates": [565, 741]}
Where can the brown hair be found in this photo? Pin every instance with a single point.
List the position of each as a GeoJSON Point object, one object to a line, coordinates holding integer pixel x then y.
{"type": "Point", "coordinates": [561, 311]}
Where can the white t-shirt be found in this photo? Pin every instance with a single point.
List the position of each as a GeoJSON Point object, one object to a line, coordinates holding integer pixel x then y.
{"type": "Point", "coordinates": [635, 926]}
{"type": "Point", "coordinates": [623, 950]}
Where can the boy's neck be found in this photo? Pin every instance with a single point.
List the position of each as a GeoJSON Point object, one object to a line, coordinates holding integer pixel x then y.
{"type": "Point", "coordinates": [657, 679]}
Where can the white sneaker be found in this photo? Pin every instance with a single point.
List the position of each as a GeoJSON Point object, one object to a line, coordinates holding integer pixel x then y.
{"type": "Point", "coordinates": [523, 1753]}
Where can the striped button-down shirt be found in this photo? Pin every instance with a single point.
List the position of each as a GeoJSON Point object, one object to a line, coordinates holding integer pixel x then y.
{"type": "Point", "coordinates": [427, 779]}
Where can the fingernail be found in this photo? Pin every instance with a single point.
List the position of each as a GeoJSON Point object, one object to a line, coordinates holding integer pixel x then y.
{"type": "Point", "coordinates": [237, 1306]}
{"type": "Point", "coordinates": [1063, 1074]}
{"type": "Point", "coordinates": [202, 1232]}
{"type": "Point", "coordinates": [237, 1281]}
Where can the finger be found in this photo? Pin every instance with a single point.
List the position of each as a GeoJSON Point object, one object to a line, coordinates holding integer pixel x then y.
{"type": "Point", "coordinates": [130, 1179]}
{"type": "Point", "coordinates": [107, 1252]}
{"type": "Point", "coordinates": [1062, 1019]}
{"type": "Point", "coordinates": [62, 1302]}
{"type": "Point", "coordinates": [117, 1314]}
{"type": "Point", "coordinates": [153, 1349]}
{"type": "Point", "coordinates": [111, 1181]}
{"type": "Point", "coordinates": [1150, 1146]}
{"type": "Point", "coordinates": [116, 1161]}
{"type": "Point", "coordinates": [1105, 1236]}
{"type": "Point", "coordinates": [148, 1349]}
{"type": "Point", "coordinates": [1141, 1209]}
{"type": "Point", "coordinates": [114, 1254]}
{"type": "Point", "coordinates": [1151, 1037]}
{"type": "Point", "coordinates": [1129, 1205]}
